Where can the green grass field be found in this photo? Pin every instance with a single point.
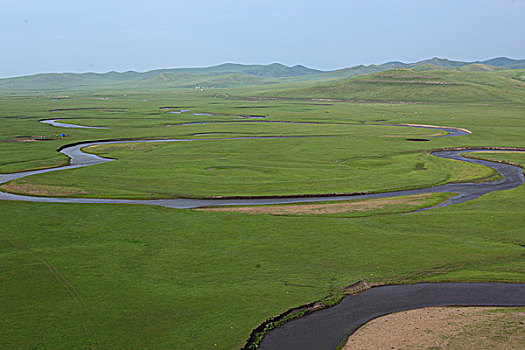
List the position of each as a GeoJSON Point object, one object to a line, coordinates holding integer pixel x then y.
{"type": "Point", "coordinates": [116, 276]}
{"type": "Point", "coordinates": [358, 161]}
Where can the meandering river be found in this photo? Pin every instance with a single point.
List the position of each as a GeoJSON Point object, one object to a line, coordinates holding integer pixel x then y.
{"type": "Point", "coordinates": [512, 176]}
{"type": "Point", "coordinates": [328, 328]}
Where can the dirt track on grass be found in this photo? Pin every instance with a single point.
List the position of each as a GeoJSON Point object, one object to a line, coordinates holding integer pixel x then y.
{"type": "Point", "coordinates": [76, 297]}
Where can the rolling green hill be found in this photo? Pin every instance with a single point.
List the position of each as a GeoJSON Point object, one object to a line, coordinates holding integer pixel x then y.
{"type": "Point", "coordinates": [274, 70]}
{"type": "Point", "coordinates": [516, 74]}
{"type": "Point", "coordinates": [479, 67]}
{"type": "Point", "coordinates": [433, 63]}
{"type": "Point", "coordinates": [236, 74]}
{"type": "Point", "coordinates": [183, 80]}
{"type": "Point", "coordinates": [230, 75]}
{"type": "Point", "coordinates": [504, 62]}
{"type": "Point", "coordinates": [414, 86]}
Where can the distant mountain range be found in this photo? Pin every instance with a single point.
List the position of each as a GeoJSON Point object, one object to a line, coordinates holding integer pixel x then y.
{"type": "Point", "coordinates": [231, 75]}
{"type": "Point", "coordinates": [433, 63]}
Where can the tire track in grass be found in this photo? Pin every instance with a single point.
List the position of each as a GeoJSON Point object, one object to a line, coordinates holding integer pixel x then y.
{"type": "Point", "coordinates": [80, 304]}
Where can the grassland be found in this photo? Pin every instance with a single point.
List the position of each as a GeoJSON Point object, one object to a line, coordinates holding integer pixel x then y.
{"type": "Point", "coordinates": [256, 168]}
{"type": "Point", "coordinates": [148, 277]}
{"type": "Point", "coordinates": [166, 278]}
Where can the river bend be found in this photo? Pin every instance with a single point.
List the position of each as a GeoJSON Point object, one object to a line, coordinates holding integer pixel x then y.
{"type": "Point", "coordinates": [512, 176]}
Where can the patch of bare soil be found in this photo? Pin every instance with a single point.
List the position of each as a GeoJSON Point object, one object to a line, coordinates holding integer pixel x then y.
{"type": "Point", "coordinates": [496, 151]}
{"type": "Point", "coordinates": [438, 133]}
{"type": "Point", "coordinates": [400, 81]}
{"type": "Point", "coordinates": [29, 139]}
{"type": "Point", "coordinates": [455, 328]}
{"type": "Point", "coordinates": [327, 208]}
{"type": "Point", "coordinates": [129, 146]}
{"type": "Point", "coordinates": [254, 107]}
{"type": "Point", "coordinates": [89, 108]}
{"type": "Point", "coordinates": [438, 126]}
{"type": "Point", "coordinates": [22, 186]}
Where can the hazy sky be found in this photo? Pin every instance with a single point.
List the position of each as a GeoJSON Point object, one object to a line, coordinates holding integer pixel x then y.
{"type": "Point", "coordinates": [91, 35]}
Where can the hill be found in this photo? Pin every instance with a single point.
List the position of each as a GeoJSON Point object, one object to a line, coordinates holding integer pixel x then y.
{"type": "Point", "coordinates": [274, 70]}
{"type": "Point", "coordinates": [231, 75]}
{"type": "Point", "coordinates": [505, 62]}
{"type": "Point", "coordinates": [433, 64]}
{"type": "Point", "coordinates": [183, 80]}
{"type": "Point", "coordinates": [411, 85]}
{"type": "Point", "coordinates": [479, 67]}
{"type": "Point", "coordinates": [253, 74]}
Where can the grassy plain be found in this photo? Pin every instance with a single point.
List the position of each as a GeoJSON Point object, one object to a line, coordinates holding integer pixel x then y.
{"type": "Point", "coordinates": [257, 167]}
{"type": "Point", "coordinates": [148, 277]}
